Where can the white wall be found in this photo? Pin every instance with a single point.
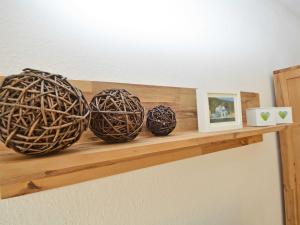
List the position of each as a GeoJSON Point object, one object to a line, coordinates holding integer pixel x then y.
{"type": "Point", "coordinates": [233, 44]}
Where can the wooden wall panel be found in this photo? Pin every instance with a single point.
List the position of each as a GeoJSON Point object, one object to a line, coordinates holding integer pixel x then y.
{"type": "Point", "coordinates": [249, 100]}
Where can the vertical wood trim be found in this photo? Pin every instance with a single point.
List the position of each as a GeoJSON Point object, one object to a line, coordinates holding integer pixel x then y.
{"type": "Point", "coordinates": [287, 157]}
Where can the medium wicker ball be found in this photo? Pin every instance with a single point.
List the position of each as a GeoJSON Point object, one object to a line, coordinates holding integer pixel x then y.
{"type": "Point", "coordinates": [161, 120]}
{"type": "Point", "coordinates": [116, 115]}
{"type": "Point", "coordinates": [41, 112]}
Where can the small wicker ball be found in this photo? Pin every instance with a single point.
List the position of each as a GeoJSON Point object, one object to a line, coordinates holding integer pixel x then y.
{"type": "Point", "coordinates": [116, 116]}
{"type": "Point", "coordinates": [161, 120]}
{"type": "Point", "coordinates": [41, 113]}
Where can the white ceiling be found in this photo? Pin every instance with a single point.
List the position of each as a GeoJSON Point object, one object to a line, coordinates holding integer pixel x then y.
{"type": "Point", "coordinates": [293, 5]}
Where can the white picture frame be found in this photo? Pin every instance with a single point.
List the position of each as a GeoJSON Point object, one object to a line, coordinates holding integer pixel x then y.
{"type": "Point", "coordinates": [226, 107]}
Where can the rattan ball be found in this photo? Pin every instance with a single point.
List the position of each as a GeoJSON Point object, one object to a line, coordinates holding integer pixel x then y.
{"type": "Point", "coordinates": [116, 116]}
{"type": "Point", "coordinates": [161, 120]}
{"type": "Point", "coordinates": [41, 113]}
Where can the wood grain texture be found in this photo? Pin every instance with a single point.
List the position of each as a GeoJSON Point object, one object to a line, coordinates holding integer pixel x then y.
{"type": "Point", "coordinates": [287, 91]}
{"type": "Point", "coordinates": [23, 175]}
{"type": "Point", "coordinates": [249, 100]}
{"type": "Point", "coordinates": [292, 68]}
{"type": "Point", "coordinates": [92, 172]}
{"type": "Point", "coordinates": [90, 158]}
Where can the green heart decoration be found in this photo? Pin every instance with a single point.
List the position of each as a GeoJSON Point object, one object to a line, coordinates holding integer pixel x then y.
{"type": "Point", "coordinates": [265, 115]}
{"type": "Point", "coordinates": [282, 114]}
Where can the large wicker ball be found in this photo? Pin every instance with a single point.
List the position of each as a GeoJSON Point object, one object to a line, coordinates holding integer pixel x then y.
{"type": "Point", "coordinates": [116, 115]}
{"type": "Point", "coordinates": [41, 112]}
{"type": "Point", "coordinates": [161, 120]}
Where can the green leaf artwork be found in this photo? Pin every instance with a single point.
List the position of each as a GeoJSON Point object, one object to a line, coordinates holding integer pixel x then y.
{"type": "Point", "coordinates": [283, 114]}
{"type": "Point", "coordinates": [265, 115]}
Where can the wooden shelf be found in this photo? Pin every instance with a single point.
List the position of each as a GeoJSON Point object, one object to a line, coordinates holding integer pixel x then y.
{"type": "Point", "coordinates": [90, 159]}
{"type": "Point", "coordinates": [20, 175]}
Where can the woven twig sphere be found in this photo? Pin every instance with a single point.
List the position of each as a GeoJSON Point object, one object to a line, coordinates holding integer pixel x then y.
{"type": "Point", "coordinates": [161, 120]}
{"type": "Point", "coordinates": [41, 112]}
{"type": "Point", "coordinates": [116, 115]}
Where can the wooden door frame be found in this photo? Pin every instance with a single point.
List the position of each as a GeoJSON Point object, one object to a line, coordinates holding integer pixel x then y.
{"type": "Point", "coordinates": [286, 147]}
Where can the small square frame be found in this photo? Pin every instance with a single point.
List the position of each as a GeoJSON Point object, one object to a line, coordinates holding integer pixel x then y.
{"type": "Point", "coordinates": [204, 117]}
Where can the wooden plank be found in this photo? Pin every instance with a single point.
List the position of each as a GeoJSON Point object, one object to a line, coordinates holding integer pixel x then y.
{"type": "Point", "coordinates": [18, 188]}
{"type": "Point", "coordinates": [17, 170]}
{"type": "Point", "coordinates": [249, 100]}
{"type": "Point", "coordinates": [287, 91]}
